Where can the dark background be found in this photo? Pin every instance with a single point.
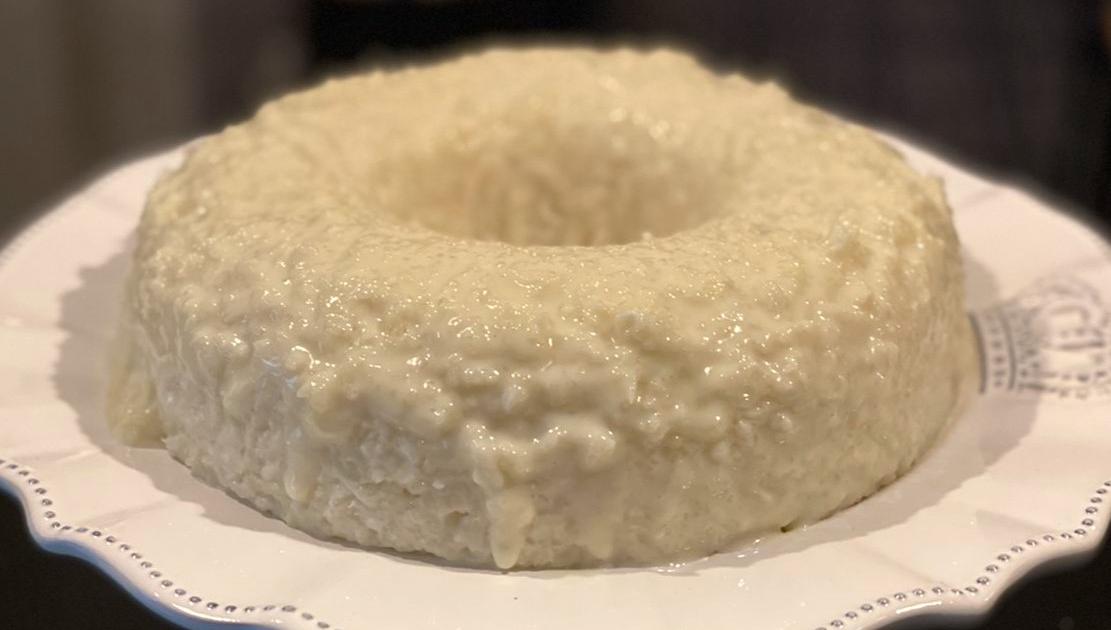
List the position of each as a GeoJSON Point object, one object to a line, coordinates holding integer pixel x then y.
{"type": "Point", "coordinates": [1019, 89]}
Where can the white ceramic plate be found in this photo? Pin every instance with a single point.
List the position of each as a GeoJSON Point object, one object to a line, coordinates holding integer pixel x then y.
{"type": "Point", "coordinates": [1021, 479]}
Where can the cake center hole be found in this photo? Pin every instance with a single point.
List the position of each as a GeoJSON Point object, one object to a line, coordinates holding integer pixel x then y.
{"type": "Point", "coordinates": [541, 181]}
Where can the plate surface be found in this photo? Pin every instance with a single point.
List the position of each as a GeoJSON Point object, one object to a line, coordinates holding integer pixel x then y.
{"type": "Point", "coordinates": [1022, 478]}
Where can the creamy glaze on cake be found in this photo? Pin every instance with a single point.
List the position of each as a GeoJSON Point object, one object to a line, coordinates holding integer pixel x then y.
{"type": "Point", "coordinates": [547, 307]}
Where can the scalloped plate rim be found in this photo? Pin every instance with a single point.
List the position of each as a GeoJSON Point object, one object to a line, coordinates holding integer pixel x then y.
{"type": "Point", "coordinates": [99, 552]}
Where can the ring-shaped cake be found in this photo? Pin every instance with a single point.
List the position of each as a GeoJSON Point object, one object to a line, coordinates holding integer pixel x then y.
{"type": "Point", "coordinates": [545, 307]}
